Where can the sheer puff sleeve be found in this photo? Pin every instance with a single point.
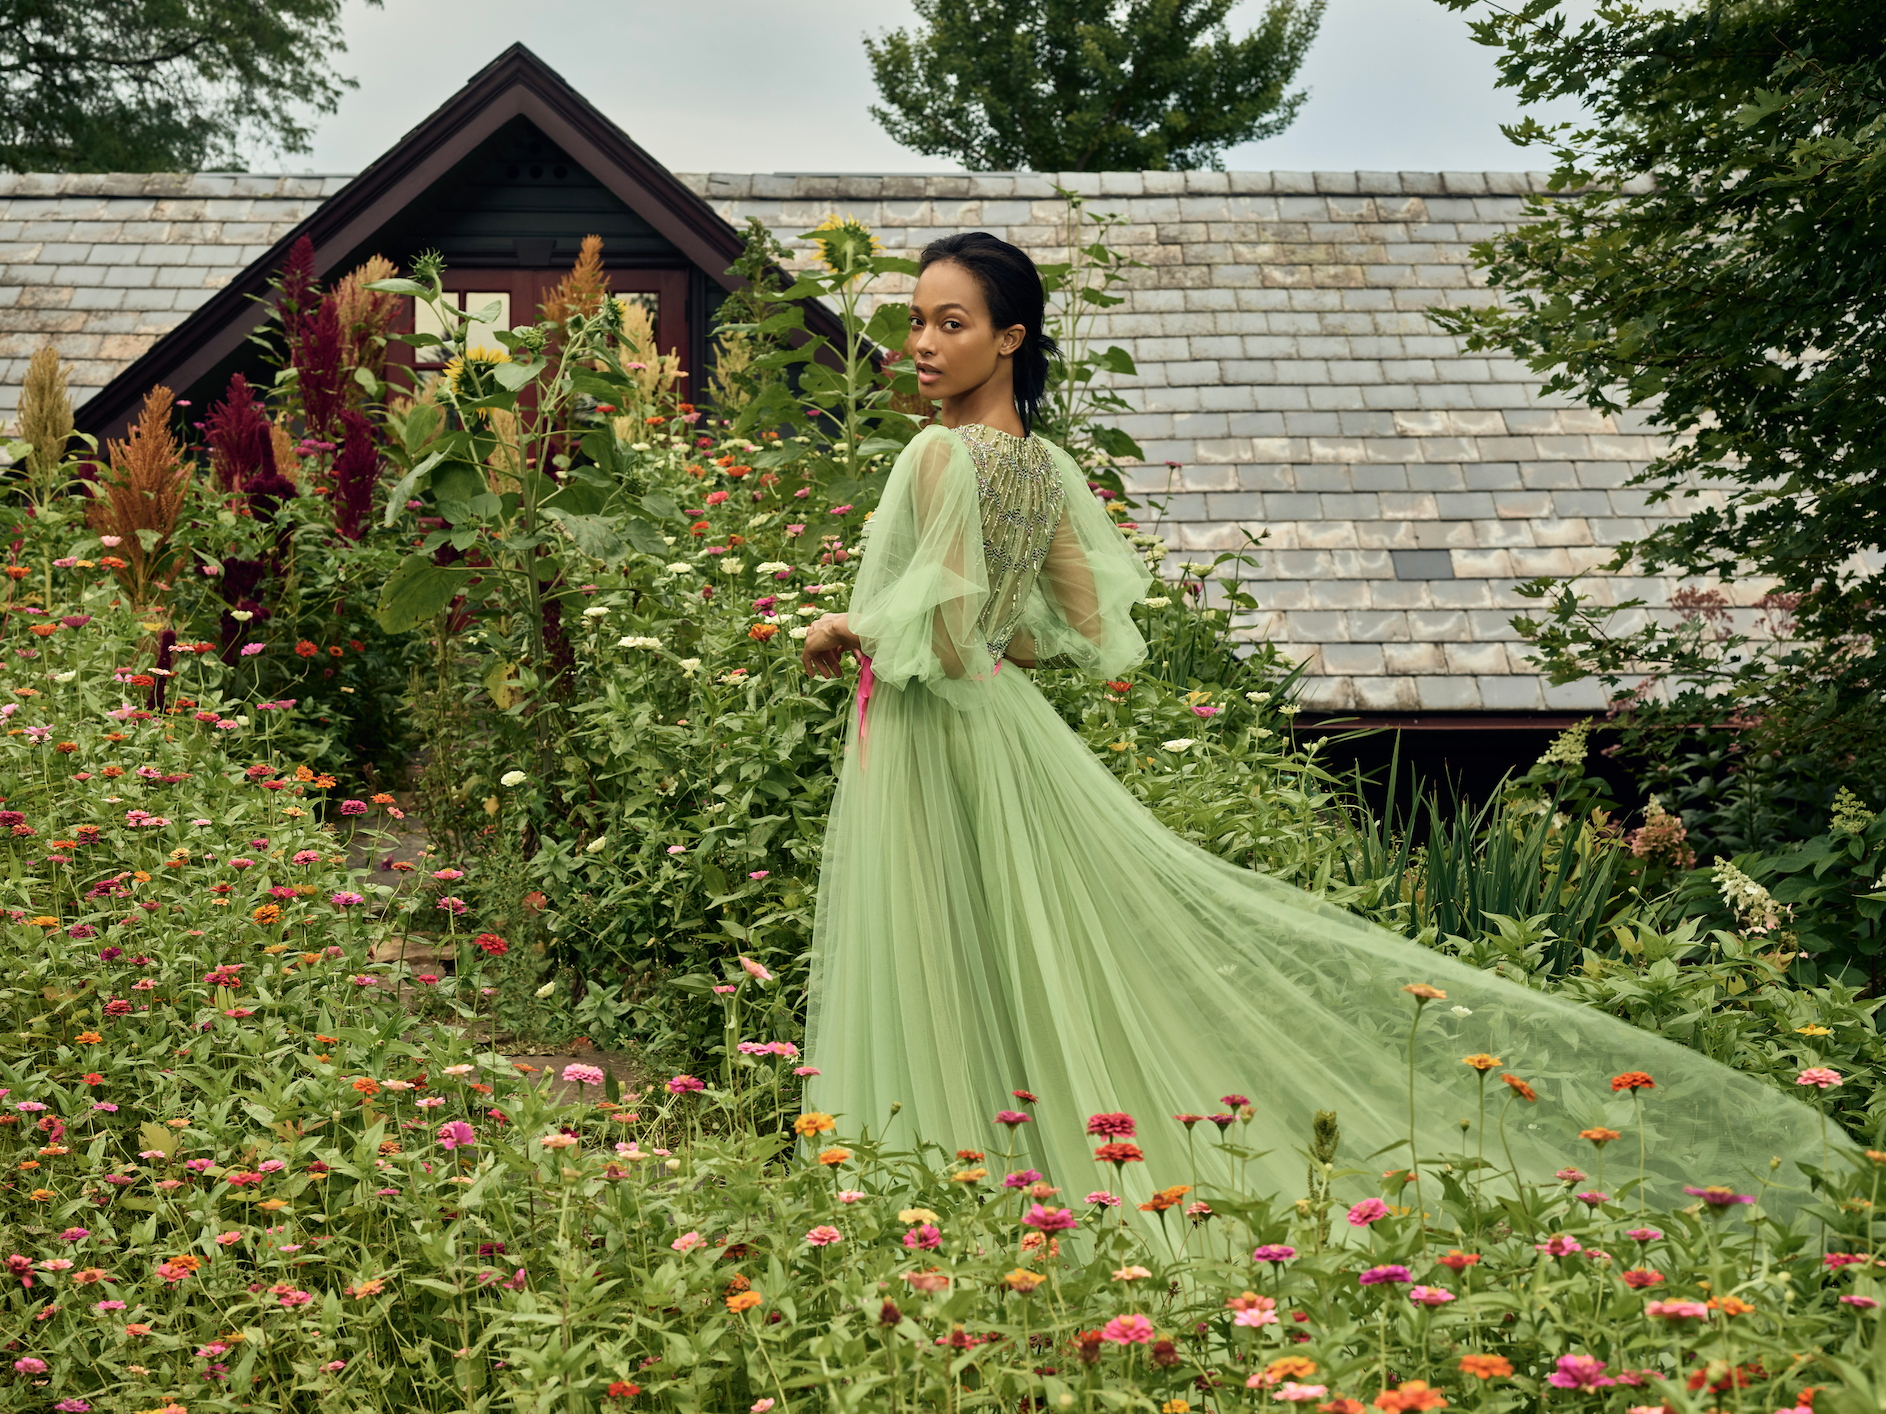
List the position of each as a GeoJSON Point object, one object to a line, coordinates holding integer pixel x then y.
{"type": "Point", "coordinates": [922, 586]}
{"type": "Point", "coordinates": [1081, 613]}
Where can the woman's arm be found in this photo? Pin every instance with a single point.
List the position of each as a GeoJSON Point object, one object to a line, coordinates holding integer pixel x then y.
{"type": "Point", "coordinates": [827, 642]}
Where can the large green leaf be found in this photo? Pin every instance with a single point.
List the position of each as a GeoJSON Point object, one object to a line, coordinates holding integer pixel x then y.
{"type": "Point", "coordinates": [645, 537]}
{"type": "Point", "coordinates": [417, 590]}
{"type": "Point", "coordinates": [512, 376]}
{"type": "Point", "coordinates": [421, 423]}
{"type": "Point", "coordinates": [890, 325]}
{"type": "Point", "coordinates": [593, 535]}
{"type": "Point", "coordinates": [403, 488]}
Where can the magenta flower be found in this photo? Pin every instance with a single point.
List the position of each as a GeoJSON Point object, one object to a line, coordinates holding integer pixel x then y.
{"type": "Point", "coordinates": [353, 807]}
{"type": "Point", "coordinates": [1100, 1198]}
{"type": "Point", "coordinates": [1369, 1210]}
{"type": "Point", "coordinates": [1022, 1179]}
{"type": "Point", "coordinates": [1051, 1219]}
{"type": "Point", "coordinates": [1644, 1234]}
{"type": "Point", "coordinates": [1011, 1118]}
{"type": "Point", "coordinates": [759, 874]}
{"type": "Point", "coordinates": [1378, 1276]}
{"type": "Point", "coordinates": [1430, 1295]}
{"type": "Point", "coordinates": [1677, 1310]}
{"type": "Point", "coordinates": [1127, 1330]}
{"type": "Point", "coordinates": [347, 900]}
{"type": "Point", "coordinates": [249, 650]}
{"type": "Point", "coordinates": [75, 1234]}
{"type": "Point", "coordinates": [1559, 1245]}
{"type": "Point", "coordinates": [30, 1365]}
{"type": "Point", "coordinates": [1820, 1077]}
{"type": "Point", "coordinates": [1593, 1198]}
{"type": "Point", "coordinates": [1111, 1126]}
{"type": "Point", "coordinates": [1836, 1260]}
{"type": "Point", "coordinates": [1273, 1252]}
{"type": "Point", "coordinates": [1579, 1372]}
{"type": "Point", "coordinates": [456, 1134]}
{"type": "Point", "coordinates": [1862, 1303]}
{"type": "Point", "coordinates": [1570, 1175]}
{"type": "Point", "coordinates": [1718, 1197]}
{"type": "Point", "coordinates": [927, 1238]}
{"type": "Point", "coordinates": [824, 1235]}
{"type": "Point", "coordinates": [453, 905]}
{"type": "Point", "coordinates": [684, 1084]}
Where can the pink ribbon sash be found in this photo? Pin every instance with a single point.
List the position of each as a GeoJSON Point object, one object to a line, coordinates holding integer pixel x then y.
{"type": "Point", "coordinates": [866, 685]}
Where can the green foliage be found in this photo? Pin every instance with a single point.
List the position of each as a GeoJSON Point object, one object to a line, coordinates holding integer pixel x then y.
{"type": "Point", "coordinates": [1080, 85]}
{"type": "Point", "coordinates": [1732, 301]}
{"type": "Point", "coordinates": [161, 85]}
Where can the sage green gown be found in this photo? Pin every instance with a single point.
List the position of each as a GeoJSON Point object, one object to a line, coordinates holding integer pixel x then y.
{"type": "Point", "coordinates": [996, 913]}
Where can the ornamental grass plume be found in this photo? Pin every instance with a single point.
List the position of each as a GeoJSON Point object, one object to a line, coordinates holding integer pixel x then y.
{"type": "Point", "coordinates": [45, 419]}
{"type": "Point", "coordinates": [581, 292]}
{"type": "Point", "coordinates": [143, 491]}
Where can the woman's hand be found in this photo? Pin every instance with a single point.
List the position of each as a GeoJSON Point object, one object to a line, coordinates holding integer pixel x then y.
{"type": "Point", "coordinates": [826, 643]}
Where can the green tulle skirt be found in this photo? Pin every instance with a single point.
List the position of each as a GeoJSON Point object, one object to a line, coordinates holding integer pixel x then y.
{"type": "Point", "coordinates": [998, 913]}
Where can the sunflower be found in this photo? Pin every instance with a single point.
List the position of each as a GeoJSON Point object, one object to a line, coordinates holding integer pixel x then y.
{"type": "Point", "coordinates": [469, 374]}
{"type": "Point", "coordinates": [844, 244]}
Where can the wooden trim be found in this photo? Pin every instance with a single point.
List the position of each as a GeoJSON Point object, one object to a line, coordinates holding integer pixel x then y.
{"type": "Point", "coordinates": [517, 83]}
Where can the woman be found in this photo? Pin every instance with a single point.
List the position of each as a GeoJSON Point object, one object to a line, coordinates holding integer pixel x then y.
{"type": "Point", "coordinates": [997, 913]}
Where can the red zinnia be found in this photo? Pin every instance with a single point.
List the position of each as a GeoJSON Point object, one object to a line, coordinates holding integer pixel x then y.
{"type": "Point", "coordinates": [1117, 1154]}
{"type": "Point", "coordinates": [1633, 1080]}
{"type": "Point", "coordinates": [306, 649]}
{"type": "Point", "coordinates": [491, 943]}
{"type": "Point", "coordinates": [1111, 1126]}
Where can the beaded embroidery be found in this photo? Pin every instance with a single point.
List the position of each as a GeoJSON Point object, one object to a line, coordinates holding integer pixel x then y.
{"type": "Point", "coordinates": [1022, 500]}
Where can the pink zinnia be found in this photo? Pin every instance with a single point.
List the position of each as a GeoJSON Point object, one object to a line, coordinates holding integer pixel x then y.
{"type": "Point", "coordinates": [687, 1242]}
{"type": "Point", "coordinates": [824, 1235]}
{"type": "Point", "coordinates": [1559, 1245]}
{"type": "Point", "coordinates": [1378, 1276]}
{"type": "Point", "coordinates": [1127, 1330]}
{"type": "Point", "coordinates": [1837, 1260]}
{"type": "Point", "coordinates": [580, 1074]}
{"type": "Point", "coordinates": [1051, 1219]}
{"type": "Point", "coordinates": [1369, 1210]}
{"type": "Point", "coordinates": [755, 970]}
{"type": "Point", "coordinates": [683, 1084]}
{"type": "Point", "coordinates": [1273, 1252]}
{"type": "Point", "coordinates": [457, 1135]}
{"type": "Point", "coordinates": [1112, 1126]}
{"type": "Point", "coordinates": [1677, 1310]}
{"type": "Point", "coordinates": [1011, 1118]}
{"type": "Point", "coordinates": [927, 1238]}
{"type": "Point", "coordinates": [1864, 1303]}
{"type": "Point", "coordinates": [1581, 1372]}
{"type": "Point", "coordinates": [1819, 1076]}
{"type": "Point", "coordinates": [1100, 1198]}
{"type": "Point", "coordinates": [1430, 1295]}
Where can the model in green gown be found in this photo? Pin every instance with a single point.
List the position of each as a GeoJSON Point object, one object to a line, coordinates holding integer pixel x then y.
{"type": "Point", "coordinates": [997, 913]}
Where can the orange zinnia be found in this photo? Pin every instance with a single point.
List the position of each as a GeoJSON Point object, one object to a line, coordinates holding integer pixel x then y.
{"type": "Point", "coordinates": [1290, 1367]}
{"type": "Point", "coordinates": [1413, 1394]}
{"type": "Point", "coordinates": [1730, 1306]}
{"type": "Point", "coordinates": [813, 1123]}
{"type": "Point", "coordinates": [743, 1301]}
{"type": "Point", "coordinates": [1424, 992]}
{"type": "Point", "coordinates": [1482, 1062]}
{"type": "Point", "coordinates": [89, 1038]}
{"type": "Point", "coordinates": [1166, 1198]}
{"type": "Point", "coordinates": [1633, 1080]}
{"type": "Point", "coordinates": [831, 1158]}
{"type": "Point", "coordinates": [1520, 1088]}
{"type": "Point", "coordinates": [268, 913]}
{"type": "Point", "coordinates": [1486, 1367]}
{"type": "Point", "coordinates": [1599, 1136]}
{"type": "Point", "coordinates": [367, 1086]}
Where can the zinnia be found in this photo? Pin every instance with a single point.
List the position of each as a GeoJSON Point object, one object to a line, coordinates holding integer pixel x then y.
{"type": "Point", "coordinates": [1127, 1330]}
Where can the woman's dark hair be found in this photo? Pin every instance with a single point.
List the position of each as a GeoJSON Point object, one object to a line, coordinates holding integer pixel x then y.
{"type": "Point", "coordinates": [1012, 287]}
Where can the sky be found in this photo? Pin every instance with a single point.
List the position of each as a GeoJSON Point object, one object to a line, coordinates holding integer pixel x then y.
{"type": "Point", "coordinates": [756, 86]}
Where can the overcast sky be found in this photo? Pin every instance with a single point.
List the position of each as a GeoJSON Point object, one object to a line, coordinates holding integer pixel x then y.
{"type": "Point", "coordinates": [758, 86]}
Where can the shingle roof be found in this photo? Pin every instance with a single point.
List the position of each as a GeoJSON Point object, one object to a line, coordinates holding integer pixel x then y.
{"type": "Point", "coordinates": [1285, 362]}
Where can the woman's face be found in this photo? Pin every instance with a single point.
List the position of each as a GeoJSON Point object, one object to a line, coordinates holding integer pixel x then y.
{"type": "Point", "coordinates": [955, 343]}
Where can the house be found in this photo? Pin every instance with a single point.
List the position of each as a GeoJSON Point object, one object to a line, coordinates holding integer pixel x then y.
{"type": "Point", "coordinates": [1290, 384]}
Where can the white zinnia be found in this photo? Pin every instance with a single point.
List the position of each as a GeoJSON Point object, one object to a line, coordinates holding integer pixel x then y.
{"type": "Point", "coordinates": [688, 665]}
{"type": "Point", "coordinates": [635, 642]}
{"type": "Point", "coordinates": [771, 567]}
{"type": "Point", "coordinates": [595, 846]}
{"type": "Point", "coordinates": [1180, 744]}
{"type": "Point", "coordinates": [1159, 602]}
{"type": "Point", "coordinates": [596, 611]}
{"type": "Point", "coordinates": [512, 778]}
{"type": "Point", "coordinates": [733, 566]}
{"type": "Point", "coordinates": [800, 632]}
{"type": "Point", "coordinates": [680, 567]}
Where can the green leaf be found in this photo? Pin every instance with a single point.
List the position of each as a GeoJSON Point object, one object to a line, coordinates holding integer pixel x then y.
{"type": "Point", "coordinates": [403, 489]}
{"type": "Point", "coordinates": [417, 590]}
{"type": "Point", "coordinates": [1116, 443]}
{"type": "Point", "coordinates": [398, 286]}
{"type": "Point", "coordinates": [645, 537]}
{"type": "Point", "coordinates": [512, 376]}
{"type": "Point", "coordinates": [890, 325]}
{"type": "Point", "coordinates": [1116, 360]}
{"type": "Point", "coordinates": [593, 535]}
{"type": "Point", "coordinates": [661, 507]}
{"type": "Point", "coordinates": [421, 423]}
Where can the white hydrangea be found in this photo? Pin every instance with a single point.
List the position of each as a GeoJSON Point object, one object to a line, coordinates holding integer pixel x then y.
{"type": "Point", "coordinates": [1754, 907]}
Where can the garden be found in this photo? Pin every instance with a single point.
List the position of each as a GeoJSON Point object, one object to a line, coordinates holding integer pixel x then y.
{"type": "Point", "coordinates": [268, 1136]}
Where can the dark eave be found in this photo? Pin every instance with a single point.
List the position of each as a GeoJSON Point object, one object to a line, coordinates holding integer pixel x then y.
{"type": "Point", "coordinates": [517, 83]}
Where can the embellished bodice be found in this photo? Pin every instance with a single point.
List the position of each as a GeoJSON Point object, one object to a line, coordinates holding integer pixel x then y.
{"type": "Point", "coordinates": [1022, 500]}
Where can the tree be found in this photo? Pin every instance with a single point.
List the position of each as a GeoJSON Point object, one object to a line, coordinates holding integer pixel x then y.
{"type": "Point", "coordinates": [1089, 85]}
{"type": "Point", "coordinates": [161, 85]}
{"type": "Point", "coordinates": [1714, 256]}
